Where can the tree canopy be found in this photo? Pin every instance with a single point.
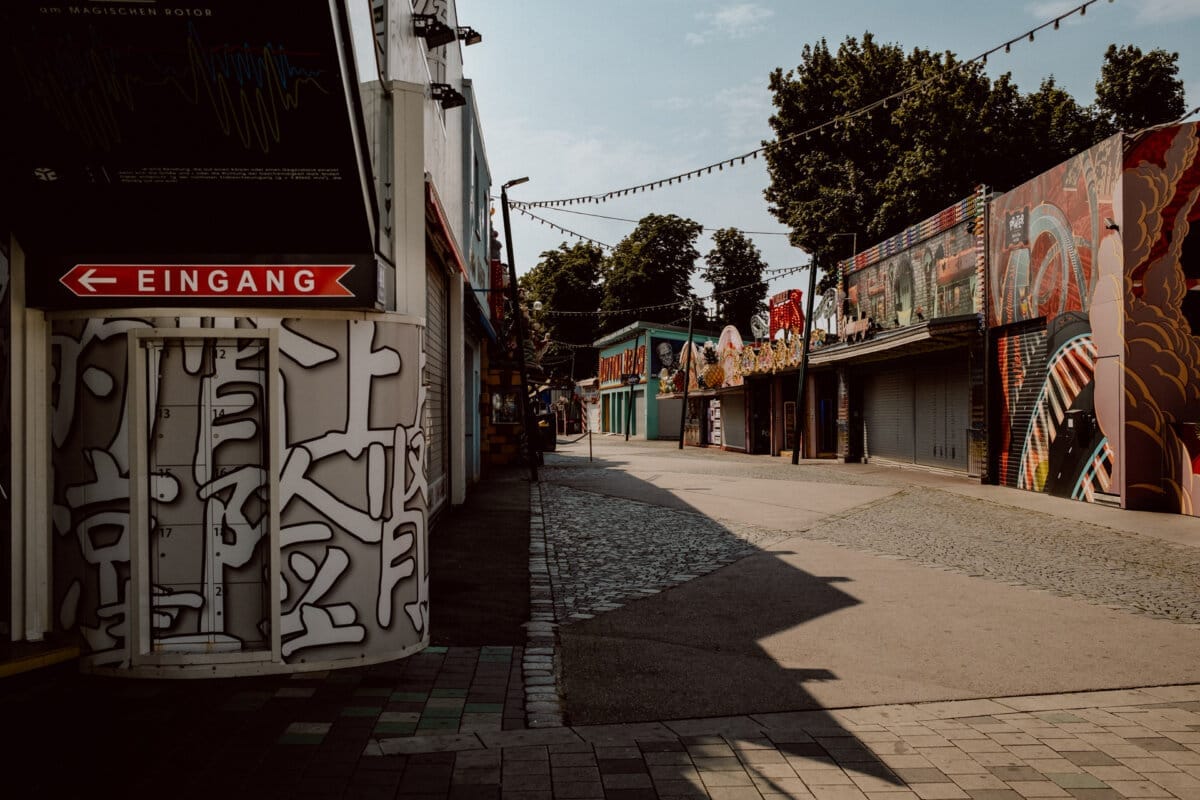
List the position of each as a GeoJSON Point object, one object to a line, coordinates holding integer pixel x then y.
{"type": "Point", "coordinates": [568, 279]}
{"type": "Point", "coordinates": [652, 265]}
{"type": "Point", "coordinates": [1138, 89]}
{"type": "Point", "coordinates": [874, 174]}
{"type": "Point", "coordinates": [735, 263]}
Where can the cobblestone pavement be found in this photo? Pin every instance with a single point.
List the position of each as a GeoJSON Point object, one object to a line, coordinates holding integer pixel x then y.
{"type": "Point", "coordinates": [598, 551]}
{"type": "Point", "coordinates": [1026, 548]}
{"type": "Point", "coordinates": [605, 551]}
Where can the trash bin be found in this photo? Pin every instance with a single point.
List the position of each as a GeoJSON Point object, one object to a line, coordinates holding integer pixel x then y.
{"type": "Point", "coordinates": [547, 431]}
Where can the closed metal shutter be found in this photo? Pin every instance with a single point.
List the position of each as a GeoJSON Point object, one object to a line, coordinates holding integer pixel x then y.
{"type": "Point", "coordinates": [1021, 358]}
{"type": "Point", "coordinates": [437, 379]}
{"type": "Point", "coordinates": [888, 408]}
{"type": "Point", "coordinates": [943, 412]}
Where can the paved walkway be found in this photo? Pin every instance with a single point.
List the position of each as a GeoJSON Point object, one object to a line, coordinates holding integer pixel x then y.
{"type": "Point", "coordinates": [645, 533]}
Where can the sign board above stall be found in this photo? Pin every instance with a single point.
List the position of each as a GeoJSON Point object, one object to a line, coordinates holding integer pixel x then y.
{"type": "Point", "coordinates": [152, 134]}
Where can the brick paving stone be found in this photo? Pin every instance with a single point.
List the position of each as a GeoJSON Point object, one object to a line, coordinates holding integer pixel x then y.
{"type": "Point", "coordinates": [850, 792]}
{"type": "Point", "coordinates": [530, 767]}
{"type": "Point", "coordinates": [1069, 780]}
{"type": "Point", "coordinates": [1089, 758]}
{"type": "Point", "coordinates": [579, 791]}
{"type": "Point", "coordinates": [1139, 789]}
{"type": "Point", "coordinates": [938, 791]}
{"type": "Point", "coordinates": [1042, 788]}
{"type": "Point", "coordinates": [626, 781]}
{"type": "Point", "coordinates": [993, 794]}
{"type": "Point", "coordinates": [912, 775]}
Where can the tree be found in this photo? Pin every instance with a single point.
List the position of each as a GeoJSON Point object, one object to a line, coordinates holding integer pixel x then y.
{"type": "Point", "coordinates": [951, 130]}
{"type": "Point", "coordinates": [736, 264]}
{"type": "Point", "coordinates": [652, 265]}
{"type": "Point", "coordinates": [1137, 90]}
{"type": "Point", "coordinates": [568, 279]}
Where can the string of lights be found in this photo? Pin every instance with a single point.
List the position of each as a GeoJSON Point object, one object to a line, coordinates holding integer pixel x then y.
{"type": "Point", "coordinates": [558, 228]}
{"type": "Point", "coordinates": [517, 204]}
{"type": "Point", "coordinates": [740, 160]}
{"type": "Point", "coordinates": [779, 273]}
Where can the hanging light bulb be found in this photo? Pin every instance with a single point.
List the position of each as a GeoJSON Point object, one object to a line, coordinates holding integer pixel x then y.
{"type": "Point", "coordinates": [1056, 23]}
{"type": "Point", "coordinates": [1008, 47]}
{"type": "Point", "coordinates": [1031, 36]}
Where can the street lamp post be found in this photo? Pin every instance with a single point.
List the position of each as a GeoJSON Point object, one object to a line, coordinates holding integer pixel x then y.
{"type": "Point", "coordinates": [519, 320]}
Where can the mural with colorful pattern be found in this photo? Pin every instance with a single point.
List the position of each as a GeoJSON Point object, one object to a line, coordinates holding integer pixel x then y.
{"type": "Point", "coordinates": [1158, 205]}
{"type": "Point", "coordinates": [1094, 296]}
{"type": "Point", "coordinates": [1044, 241]}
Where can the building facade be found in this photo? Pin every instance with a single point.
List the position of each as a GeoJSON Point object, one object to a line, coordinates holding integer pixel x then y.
{"type": "Point", "coordinates": [1094, 317]}
{"type": "Point", "coordinates": [240, 388]}
{"type": "Point", "coordinates": [634, 363]}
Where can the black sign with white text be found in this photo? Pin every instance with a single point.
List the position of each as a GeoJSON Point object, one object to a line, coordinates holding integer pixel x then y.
{"type": "Point", "coordinates": [154, 132]}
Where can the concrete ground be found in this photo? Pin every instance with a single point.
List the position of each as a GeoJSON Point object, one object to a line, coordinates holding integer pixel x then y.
{"type": "Point", "coordinates": [714, 626]}
{"type": "Point", "coordinates": [867, 585]}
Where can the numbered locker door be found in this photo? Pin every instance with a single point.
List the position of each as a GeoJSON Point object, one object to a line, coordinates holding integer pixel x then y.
{"type": "Point", "coordinates": [208, 494]}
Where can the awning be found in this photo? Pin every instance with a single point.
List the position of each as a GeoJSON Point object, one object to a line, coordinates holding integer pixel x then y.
{"type": "Point", "coordinates": [438, 230]}
{"type": "Point", "coordinates": [924, 337]}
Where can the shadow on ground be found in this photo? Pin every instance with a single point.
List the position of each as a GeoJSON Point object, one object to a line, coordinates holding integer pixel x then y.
{"type": "Point", "coordinates": [692, 652]}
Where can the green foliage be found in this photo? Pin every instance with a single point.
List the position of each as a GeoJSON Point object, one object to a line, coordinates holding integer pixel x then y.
{"type": "Point", "coordinates": [875, 175]}
{"type": "Point", "coordinates": [735, 262]}
{"type": "Point", "coordinates": [652, 265]}
{"type": "Point", "coordinates": [568, 279]}
{"type": "Point", "coordinates": [1138, 89]}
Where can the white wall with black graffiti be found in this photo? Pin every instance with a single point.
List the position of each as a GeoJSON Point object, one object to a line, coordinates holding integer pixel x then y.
{"type": "Point", "coordinates": [348, 395]}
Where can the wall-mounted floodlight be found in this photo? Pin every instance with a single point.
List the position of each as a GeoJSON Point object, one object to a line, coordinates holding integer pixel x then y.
{"type": "Point", "coordinates": [447, 95]}
{"type": "Point", "coordinates": [435, 32]}
{"type": "Point", "coordinates": [469, 35]}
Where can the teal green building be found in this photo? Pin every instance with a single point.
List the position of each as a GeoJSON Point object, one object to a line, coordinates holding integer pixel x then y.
{"type": "Point", "coordinates": [631, 360]}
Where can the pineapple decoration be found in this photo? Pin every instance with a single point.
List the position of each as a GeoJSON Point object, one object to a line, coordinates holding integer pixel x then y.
{"type": "Point", "coordinates": [713, 374]}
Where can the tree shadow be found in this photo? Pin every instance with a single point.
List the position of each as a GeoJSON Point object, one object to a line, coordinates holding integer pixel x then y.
{"type": "Point", "coordinates": [693, 653]}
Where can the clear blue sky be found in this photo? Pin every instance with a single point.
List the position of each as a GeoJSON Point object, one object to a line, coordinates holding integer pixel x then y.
{"type": "Point", "coordinates": [586, 97]}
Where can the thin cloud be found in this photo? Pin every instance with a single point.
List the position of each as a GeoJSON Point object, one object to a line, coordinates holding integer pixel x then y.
{"type": "Point", "coordinates": [1149, 12]}
{"type": "Point", "coordinates": [1155, 11]}
{"type": "Point", "coordinates": [744, 110]}
{"type": "Point", "coordinates": [735, 21]}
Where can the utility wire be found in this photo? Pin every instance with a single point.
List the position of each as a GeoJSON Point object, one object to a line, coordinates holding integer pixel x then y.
{"type": "Point", "coordinates": [531, 215]}
{"type": "Point", "coordinates": [740, 160]}
{"type": "Point", "coordinates": [781, 272]}
{"type": "Point", "coordinates": [519, 204]}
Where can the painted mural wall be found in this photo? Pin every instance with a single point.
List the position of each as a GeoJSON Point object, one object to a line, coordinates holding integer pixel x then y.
{"type": "Point", "coordinates": [353, 491]}
{"type": "Point", "coordinates": [1160, 297]}
{"type": "Point", "coordinates": [1054, 245]}
{"type": "Point", "coordinates": [932, 270]}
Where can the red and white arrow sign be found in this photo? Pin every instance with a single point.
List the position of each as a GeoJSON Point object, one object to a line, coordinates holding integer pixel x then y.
{"type": "Point", "coordinates": [207, 280]}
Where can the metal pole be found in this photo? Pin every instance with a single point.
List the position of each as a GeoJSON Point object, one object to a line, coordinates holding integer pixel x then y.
{"type": "Point", "coordinates": [799, 412]}
{"type": "Point", "coordinates": [687, 370]}
{"type": "Point", "coordinates": [519, 319]}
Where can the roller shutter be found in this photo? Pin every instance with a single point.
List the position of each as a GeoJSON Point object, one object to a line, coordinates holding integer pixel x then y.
{"type": "Point", "coordinates": [888, 409]}
{"type": "Point", "coordinates": [437, 386]}
{"type": "Point", "coordinates": [1021, 358]}
{"type": "Point", "coordinates": [943, 414]}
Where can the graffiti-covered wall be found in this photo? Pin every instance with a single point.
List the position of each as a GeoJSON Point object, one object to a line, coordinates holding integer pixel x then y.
{"type": "Point", "coordinates": [933, 270]}
{"type": "Point", "coordinates": [348, 398]}
{"type": "Point", "coordinates": [1053, 244]}
{"type": "Point", "coordinates": [1159, 204]}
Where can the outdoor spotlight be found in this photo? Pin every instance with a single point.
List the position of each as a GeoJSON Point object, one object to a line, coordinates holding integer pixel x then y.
{"type": "Point", "coordinates": [435, 32]}
{"type": "Point", "coordinates": [447, 95]}
{"type": "Point", "coordinates": [469, 35]}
